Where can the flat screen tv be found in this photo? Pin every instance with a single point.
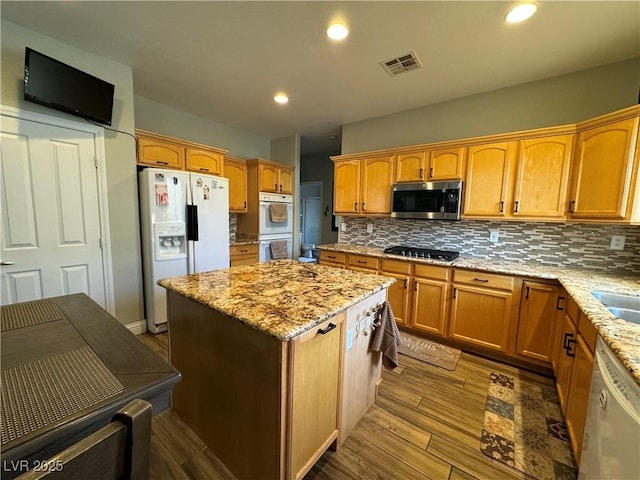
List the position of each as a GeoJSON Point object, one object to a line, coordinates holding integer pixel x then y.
{"type": "Point", "coordinates": [54, 84]}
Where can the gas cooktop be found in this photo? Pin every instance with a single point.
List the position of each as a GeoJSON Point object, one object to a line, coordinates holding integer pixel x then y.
{"type": "Point", "coordinates": [413, 252]}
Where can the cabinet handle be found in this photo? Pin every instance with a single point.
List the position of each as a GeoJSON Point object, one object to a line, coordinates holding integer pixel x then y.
{"type": "Point", "coordinates": [363, 209]}
{"type": "Point", "coordinates": [362, 261]}
{"type": "Point", "coordinates": [330, 327]}
{"type": "Point", "coordinates": [558, 306]}
{"type": "Point", "coordinates": [515, 207]}
{"type": "Point", "coordinates": [356, 206]}
{"type": "Point", "coordinates": [280, 188]}
{"type": "Point", "coordinates": [502, 207]}
{"type": "Point", "coordinates": [406, 282]}
{"type": "Point", "coordinates": [276, 187]}
{"type": "Point", "coordinates": [421, 170]}
{"type": "Point", "coordinates": [162, 163]}
{"type": "Point", "coordinates": [454, 292]}
{"type": "Point", "coordinates": [243, 251]}
{"type": "Point", "coordinates": [331, 256]}
{"type": "Point", "coordinates": [431, 172]}
{"type": "Point", "coordinates": [527, 294]}
{"type": "Point", "coordinates": [572, 206]}
{"type": "Point", "coordinates": [483, 280]}
{"type": "Point", "coordinates": [567, 337]}
{"type": "Point", "coordinates": [204, 169]}
{"type": "Point", "coordinates": [570, 343]}
{"type": "Point", "coordinates": [245, 204]}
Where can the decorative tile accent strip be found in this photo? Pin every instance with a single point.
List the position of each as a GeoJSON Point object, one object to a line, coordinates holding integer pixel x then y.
{"type": "Point", "coordinates": [554, 244]}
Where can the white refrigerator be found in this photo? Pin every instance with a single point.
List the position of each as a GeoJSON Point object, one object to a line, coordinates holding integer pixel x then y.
{"type": "Point", "coordinates": [184, 221]}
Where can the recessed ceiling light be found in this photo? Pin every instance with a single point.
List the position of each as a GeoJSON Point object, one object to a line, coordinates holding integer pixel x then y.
{"type": "Point", "coordinates": [337, 31]}
{"type": "Point", "coordinates": [281, 98]}
{"type": "Point", "coordinates": [521, 12]}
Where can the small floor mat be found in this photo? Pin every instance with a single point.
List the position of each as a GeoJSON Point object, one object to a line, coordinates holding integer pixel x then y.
{"type": "Point", "coordinates": [27, 314]}
{"type": "Point", "coordinates": [427, 351]}
{"type": "Point", "coordinates": [44, 391]}
{"type": "Point", "coordinates": [524, 429]}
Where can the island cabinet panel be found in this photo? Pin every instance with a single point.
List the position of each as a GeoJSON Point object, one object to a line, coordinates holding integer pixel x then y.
{"type": "Point", "coordinates": [231, 389]}
{"type": "Point", "coordinates": [603, 171]}
{"type": "Point", "coordinates": [538, 308]}
{"type": "Point", "coordinates": [489, 173]}
{"type": "Point", "coordinates": [315, 361]}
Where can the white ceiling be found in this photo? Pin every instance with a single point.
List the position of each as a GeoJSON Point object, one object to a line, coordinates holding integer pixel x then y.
{"type": "Point", "coordinates": [225, 60]}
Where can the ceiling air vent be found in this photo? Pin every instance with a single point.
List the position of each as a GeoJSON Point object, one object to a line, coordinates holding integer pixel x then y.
{"type": "Point", "coordinates": [403, 63]}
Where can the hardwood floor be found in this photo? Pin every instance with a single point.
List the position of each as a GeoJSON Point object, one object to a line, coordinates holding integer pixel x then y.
{"type": "Point", "coordinates": [425, 424]}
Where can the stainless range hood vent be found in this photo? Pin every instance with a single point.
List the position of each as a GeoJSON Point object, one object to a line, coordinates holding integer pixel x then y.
{"type": "Point", "coordinates": [403, 63]}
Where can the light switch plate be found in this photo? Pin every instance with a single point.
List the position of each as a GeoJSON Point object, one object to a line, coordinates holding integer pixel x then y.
{"type": "Point", "coordinates": [343, 226]}
{"type": "Point", "coordinates": [349, 342]}
{"type": "Point", "coordinates": [494, 235]}
{"type": "Point", "coordinates": [617, 242]}
{"type": "Point", "coordinates": [369, 227]}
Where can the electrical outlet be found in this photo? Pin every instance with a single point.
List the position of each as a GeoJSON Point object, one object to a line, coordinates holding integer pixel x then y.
{"type": "Point", "coordinates": [493, 236]}
{"type": "Point", "coordinates": [343, 226]}
{"type": "Point", "coordinates": [349, 342]}
{"type": "Point", "coordinates": [369, 227]}
{"type": "Point", "coordinates": [617, 242]}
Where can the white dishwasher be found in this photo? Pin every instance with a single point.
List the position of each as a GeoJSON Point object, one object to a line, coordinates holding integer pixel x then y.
{"type": "Point", "coordinates": [611, 448]}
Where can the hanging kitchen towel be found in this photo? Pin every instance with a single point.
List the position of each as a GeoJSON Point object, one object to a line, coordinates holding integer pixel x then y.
{"type": "Point", "coordinates": [279, 249]}
{"type": "Point", "coordinates": [278, 212]}
{"type": "Point", "coordinates": [386, 338]}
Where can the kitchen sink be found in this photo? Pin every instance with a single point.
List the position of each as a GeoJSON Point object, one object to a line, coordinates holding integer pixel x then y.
{"type": "Point", "coordinates": [626, 307]}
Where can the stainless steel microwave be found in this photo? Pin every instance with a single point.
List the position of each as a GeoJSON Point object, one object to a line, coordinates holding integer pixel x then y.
{"type": "Point", "coordinates": [427, 200]}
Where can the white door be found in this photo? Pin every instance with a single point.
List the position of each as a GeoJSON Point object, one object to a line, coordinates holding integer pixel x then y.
{"type": "Point", "coordinates": [50, 241]}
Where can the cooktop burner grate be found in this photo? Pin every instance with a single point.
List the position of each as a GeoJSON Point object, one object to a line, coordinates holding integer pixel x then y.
{"type": "Point", "coordinates": [413, 252]}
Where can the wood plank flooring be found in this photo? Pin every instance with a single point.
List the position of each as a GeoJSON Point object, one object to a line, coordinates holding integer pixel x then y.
{"type": "Point", "coordinates": [425, 424]}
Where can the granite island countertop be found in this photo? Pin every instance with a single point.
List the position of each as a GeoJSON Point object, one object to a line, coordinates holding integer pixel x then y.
{"type": "Point", "coordinates": [282, 298]}
{"type": "Point", "coordinates": [622, 337]}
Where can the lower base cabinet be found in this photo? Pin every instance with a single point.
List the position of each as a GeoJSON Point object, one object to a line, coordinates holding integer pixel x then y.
{"type": "Point", "coordinates": [431, 299]}
{"type": "Point", "coordinates": [398, 295]}
{"type": "Point", "coordinates": [538, 311]}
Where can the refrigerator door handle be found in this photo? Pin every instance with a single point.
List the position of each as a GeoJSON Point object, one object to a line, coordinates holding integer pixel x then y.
{"type": "Point", "coordinates": [192, 222]}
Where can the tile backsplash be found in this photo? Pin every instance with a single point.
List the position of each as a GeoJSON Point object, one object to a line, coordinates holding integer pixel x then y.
{"type": "Point", "coordinates": [572, 245]}
{"type": "Point", "coordinates": [233, 227]}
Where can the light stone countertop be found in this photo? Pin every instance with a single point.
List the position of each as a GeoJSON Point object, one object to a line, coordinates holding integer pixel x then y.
{"type": "Point", "coordinates": [622, 337]}
{"type": "Point", "coordinates": [282, 298]}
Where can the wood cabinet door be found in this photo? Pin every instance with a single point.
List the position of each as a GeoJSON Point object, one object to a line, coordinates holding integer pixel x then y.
{"type": "Point", "coordinates": [314, 391]}
{"type": "Point", "coordinates": [376, 181]}
{"type": "Point", "coordinates": [537, 319]}
{"type": "Point", "coordinates": [160, 154]}
{"type": "Point", "coordinates": [542, 177]}
{"type": "Point", "coordinates": [203, 161]}
{"type": "Point", "coordinates": [579, 390]}
{"type": "Point", "coordinates": [602, 170]}
{"type": "Point", "coordinates": [346, 187]}
{"type": "Point", "coordinates": [410, 167]}
{"type": "Point", "coordinates": [489, 171]}
{"type": "Point", "coordinates": [269, 178]}
{"type": "Point", "coordinates": [398, 297]}
{"type": "Point", "coordinates": [430, 305]}
{"type": "Point", "coordinates": [286, 181]}
{"type": "Point", "coordinates": [557, 332]}
{"type": "Point", "coordinates": [446, 164]}
{"type": "Point", "coordinates": [481, 316]}
{"type": "Point", "coordinates": [568, 335]}
{"type": "Point", "coordinates": [236, 172]}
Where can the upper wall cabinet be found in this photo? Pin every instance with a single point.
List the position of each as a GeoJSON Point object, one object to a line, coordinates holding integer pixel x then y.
{"type": "Point", "coordinates": [489, 174]}
{"type": "Point", "coordinates": [435, 165]}
{"type": "Point", "coordinates": [275, 178]}
{"type": "Point", "coordinates": [542, 174]}
{"type": "Point", "coordinates": [605, 171]}
{"type": "Point", "coordinates": [167, 152]}
{"type": "Point", "coordinates": [363, 186]}
{"type": "Point", "coordinates": [235, 170]}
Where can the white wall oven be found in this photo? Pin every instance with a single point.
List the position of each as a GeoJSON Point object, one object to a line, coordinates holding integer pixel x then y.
{"type": "Point", "coordinates": [264, 246]}
{"type": "Point", "coordinates": [276, 214]}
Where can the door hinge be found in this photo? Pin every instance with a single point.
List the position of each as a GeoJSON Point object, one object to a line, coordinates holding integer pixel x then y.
{"type": "Point", "coordinates": [95, 162]}
{"type": "Point", "coordinates": [100, 243]}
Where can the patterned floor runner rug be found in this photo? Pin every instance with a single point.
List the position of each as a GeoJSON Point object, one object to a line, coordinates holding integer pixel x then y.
{"type": "Point", "coordinates": [523, 428]}
{"type": "Point", "coordinates": [430, 352]}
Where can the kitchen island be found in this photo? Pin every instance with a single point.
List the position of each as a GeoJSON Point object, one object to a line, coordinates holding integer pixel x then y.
{"type": "Point", "coordinates": [275, 360]}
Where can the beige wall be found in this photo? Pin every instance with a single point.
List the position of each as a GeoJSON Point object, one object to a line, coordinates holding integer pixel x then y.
{"type": "Point", "coordinates": [554, 101]}
{"type": "Point", "coordinates": [120, 151]}
{"type": "Point", "coordinates": [319, 168]}
{"type": "Point", "coordinates": [159, 118]}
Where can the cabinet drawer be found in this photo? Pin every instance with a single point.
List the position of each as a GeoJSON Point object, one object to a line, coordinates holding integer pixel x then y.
{"type": "Point", "coordinates": [483, 279]}
{"type": "Point", "coordinates": [332, 257]}
{"type": "Point", "coordinates": [364, 262]}
{"type": "Point", "coordinates": [431, 271]}
{"type": "Point", "coordinates": [396, 266]}
{"type": "Point", "coordinates": [588, 331]}
{"type": "Point", "coordinates": [250, 249]}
